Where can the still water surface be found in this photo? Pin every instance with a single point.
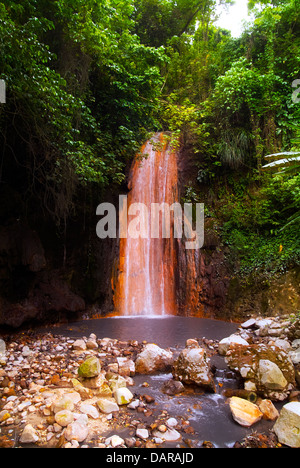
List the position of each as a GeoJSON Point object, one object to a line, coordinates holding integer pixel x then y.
{"type": "Point", "coordinates": [167, 331]}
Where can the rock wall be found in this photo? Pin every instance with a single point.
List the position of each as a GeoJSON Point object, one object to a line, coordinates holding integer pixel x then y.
{"type": "Point", "coordinates": [29, 287]}
{"type": "Point", "coordinates": [47, 275]}
{"type": "Point", "coordinates": [207, 284]}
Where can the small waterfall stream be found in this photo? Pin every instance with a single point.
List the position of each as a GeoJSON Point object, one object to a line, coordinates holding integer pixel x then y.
{"type": "Point", "coordinates": [146, 281]}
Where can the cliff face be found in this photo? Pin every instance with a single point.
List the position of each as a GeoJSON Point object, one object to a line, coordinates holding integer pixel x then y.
{"type": "Point", "coordinates": [207, 284]}
{"type": "Point", "coordinates": [49, 276]}
{"type": "Point", "coordinates": [29, 287]}
{"type": "Point", "coordinates": [46, 275]}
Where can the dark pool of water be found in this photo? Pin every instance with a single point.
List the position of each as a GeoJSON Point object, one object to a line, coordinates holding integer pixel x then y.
{"type": "Point", "coordinates": [165, 331]}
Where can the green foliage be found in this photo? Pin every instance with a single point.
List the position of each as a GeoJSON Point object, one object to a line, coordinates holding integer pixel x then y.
{"type": "Point", "coordinates": [159, 21]}
{"type": "Point", "coordinates": [82, 89]}
{"type": "Point", "coordinates": [88, 80]}
{"type": "Point", "coordinates": [255, 224]}
{"type": "Point", "coordinates": [231, 100]}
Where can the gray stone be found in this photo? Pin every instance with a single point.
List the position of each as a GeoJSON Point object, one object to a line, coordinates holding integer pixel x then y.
{"type": "Point", "coordinates": [249, 323]}
{"type": "Point", "coordinates": [107, 406]}
{"type": "Point", "coordinates": [287, 426]}
{"type": "Point", "coordinates": [29, 435]}
{"type": "Point", "coordinates": [77, 430]}
{"type": "Point", "coordinates": [271, 376]}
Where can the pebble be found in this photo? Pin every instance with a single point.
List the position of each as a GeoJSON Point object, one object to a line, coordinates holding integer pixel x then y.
{"type": "Point", "coordinates": [114, 441]}
{"type": "Point", "coordinates": [90, 410]}
{"type": "Point", "coordinates": [142, 433]}
{"type": "Point", "coordinates": [64, 418]}
{"type": "Point", "coordinates": [29, 435]}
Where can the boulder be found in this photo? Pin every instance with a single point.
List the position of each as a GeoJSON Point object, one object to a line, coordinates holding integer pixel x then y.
{"type": "Point", "coordinates": [94, 382]}
{"type": "Point", "coordinates": [270, 376]}
{"type": "Point", "coordinates": [92, 342]}
{"type": "Point", "coordinates": [89, 410]}
{"type": "Point", "coordinates": [66, 402]}
{"type": "Point", "coordinates": [294, 353]}
{"type": "Point", "coordinates": [169, 435]}
{"type": "Point", "coordinates": [126, 367]}
{"type": "Point", "coordinates": [284, 344]}
{"type": "Point", "coordinates": [268, 368]}
{"type": "Point", "coordinates": [90, 367]}
{"type": "Point", "coordinates": [172, 387]}
{"type": "Point", "coordinates": [134, 404]}
{"type": "Point", "coordinates": [293, 331]}
{"type": "Point", "coordinates": [4, 415]}
{"type": "Point", "coordinates": [153, 359]}
{"type": "Point", "coordinates": [192, 343]}
{"type": "Point", "coordinates": [83, 391]}
{"type": "Point", "coordinates": [225, 343]}
{"type": "Point", "coordinates": [244, 412]}
{"type": "Point", "coordinates": [142, 433]}
{"type": "Point", "coordinates": [192, 367]}
{"type": "Point", "coordinates": [114, 441]}
{"type": "Point", "coordinates": [79, 345]}
{"type": "Point", "coordinates": [249, 323]}
{"type": "Point", "coordinates": [287, 426]}
{"type": "Point", "coordinates": [115, 381]}
{"type": "Point", "coordinates": [263, 326]}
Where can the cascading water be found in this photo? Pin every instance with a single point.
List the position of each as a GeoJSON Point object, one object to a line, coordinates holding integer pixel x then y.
{"type": "Point", "coordinates": [146, 276]}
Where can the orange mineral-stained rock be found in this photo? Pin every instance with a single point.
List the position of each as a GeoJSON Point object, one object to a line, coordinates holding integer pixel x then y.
{"type": "Point", "coordinates": [268, 409]}
{"type": "Point", "coordinates": [245, 413]}
{"type": "Point", "coordinates": [146, 283]}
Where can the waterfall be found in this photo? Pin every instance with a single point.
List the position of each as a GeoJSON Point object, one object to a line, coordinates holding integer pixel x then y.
{"type": "Point", "coordinates": [146, 272]}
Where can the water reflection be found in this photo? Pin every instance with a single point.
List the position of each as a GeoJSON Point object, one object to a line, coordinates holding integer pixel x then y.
{"type": "Point", "coordinates": [164, 331]}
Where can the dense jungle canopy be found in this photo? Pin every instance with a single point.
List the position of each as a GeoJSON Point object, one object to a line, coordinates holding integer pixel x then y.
{"type": "Point", "coordinates": [87, 81]}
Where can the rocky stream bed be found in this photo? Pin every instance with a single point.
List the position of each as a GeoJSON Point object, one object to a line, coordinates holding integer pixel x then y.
{"type": "Point", "coordinates": [71, 392]}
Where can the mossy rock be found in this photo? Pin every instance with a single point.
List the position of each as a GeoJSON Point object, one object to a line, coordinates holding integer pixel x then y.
{"type": "Point", "coordinates": [91, 367]}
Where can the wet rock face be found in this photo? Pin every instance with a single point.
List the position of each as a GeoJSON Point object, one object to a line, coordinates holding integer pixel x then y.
{"type": "Point", "coordinates": [21, 246]}
{"type": "Point", "coordinates": [49, 294]}
{"type": "Point", "coordinates": [29, 287]}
